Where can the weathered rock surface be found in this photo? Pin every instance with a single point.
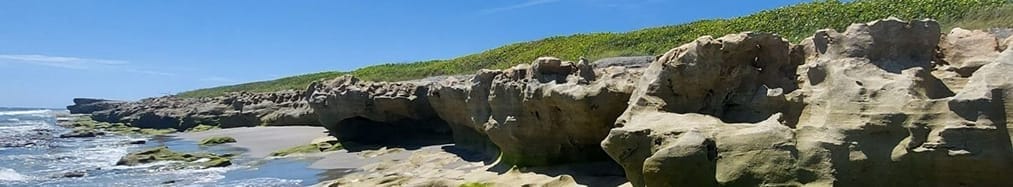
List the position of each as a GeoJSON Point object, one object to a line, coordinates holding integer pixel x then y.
{"type": "Point", "coordinates": [627, 61]}
{"type": "Point", "coordinates": [376, 112]}
{"type": "Point", "coordinates": [235, 110]}
{"type": "Point", "coordinates": [82, 133]}
{"type": "Point", "coordinates": [87, 105]}
{"type": "Point", "coordinates": [549, 112]}
{"type": "Point", "coordinates": [885, 103]}
{"type": "Point", "coordinates": [215, 140]}
{"type": "Point", "coordinates": [858, 108]}
{"type": "Point", "coordinates": [158, 154]}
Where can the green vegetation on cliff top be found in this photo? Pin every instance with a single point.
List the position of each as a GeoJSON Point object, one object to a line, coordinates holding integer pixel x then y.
{"type": "Point", "coordinates": [793, 22]}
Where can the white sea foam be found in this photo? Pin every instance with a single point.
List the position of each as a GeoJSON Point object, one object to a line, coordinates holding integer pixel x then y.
{"type": "Point", "coordinates": [262, 181]}
{"type": "Point", "coordinates": [7, 174]}
{"type": "Point", "coordinates": [24, 112]}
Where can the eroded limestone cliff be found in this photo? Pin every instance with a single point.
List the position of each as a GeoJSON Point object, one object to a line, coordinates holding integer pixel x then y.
{"type": "Point", "coordinates": [855, 108]}
{"type": "Point", "coordinates": [377, 112]}
{"type": "Point", "coordinates": [885, 103]}
{"type": "Point", "coordinates": [235, 110]}
{"type": "Point", "coordinates": [549, 112]}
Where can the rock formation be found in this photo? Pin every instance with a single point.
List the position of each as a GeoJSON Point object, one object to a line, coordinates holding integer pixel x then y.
{"type": "Point", "coordinates": [378, 112]}
{"type": "Point", "coordinates": [550, 112]}
{"type": "Point", "coordinates": [87, 105]}
{"type": "Point", "coordinates": [858, 108]}
{"type": "Point", "coordinates": [235, 110]}
{"type": "Point", "coordinates": [885, 103]}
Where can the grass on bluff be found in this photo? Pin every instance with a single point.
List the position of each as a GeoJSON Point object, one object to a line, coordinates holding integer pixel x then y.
{"type": "Point", "coordinates": [794, 23]}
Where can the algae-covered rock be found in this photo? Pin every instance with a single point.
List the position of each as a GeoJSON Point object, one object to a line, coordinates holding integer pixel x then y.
{"type": "Point", "coordinates": [215, 140]}
{"type": "Point", "coordinates": [85, 124]}
{"type": "Point", "coordinates": [82, 133]}
{"type": "Point", "coordinates": [202, 160]}
{"type": "Point", "coordinates": [309, 148]}
{"type": "Point", "coordinates": [202, 128]}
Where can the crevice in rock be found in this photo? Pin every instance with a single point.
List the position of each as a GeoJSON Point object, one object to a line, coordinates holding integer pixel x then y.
{"type": "Point", "coordinates": [358, 133]}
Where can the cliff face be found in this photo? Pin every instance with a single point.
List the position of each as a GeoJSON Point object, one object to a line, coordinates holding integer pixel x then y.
{"type": "Point", "coordinates": [549, 112]}
{"type": "Point", "coordinates": [272, 109]}
{"type": "Point", "coordinates": [856, 108]}
{"type": "Point", "coordinates": [885, 103]}
{"type": "Point", "coordinates": [377, 112]}
{"type": "Point", "coordinates": [88, 105]}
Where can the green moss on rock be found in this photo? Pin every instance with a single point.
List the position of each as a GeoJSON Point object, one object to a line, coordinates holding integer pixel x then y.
{"type": "Point", "coordinates": [85, 123]}
{"type": "Point", "coordinates": [202, 160]}
{"type": "Point", "coordinates": [215, 140]}
{"type": "Point", "coordinates": [202, 128]}
{"type": "Point", "coordinates": [309, 148]}
{"type": "Point", "coordinates": [475, 184]}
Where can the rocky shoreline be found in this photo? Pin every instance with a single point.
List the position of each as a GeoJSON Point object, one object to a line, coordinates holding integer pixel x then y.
{"type": "Point", "coordinates": [883, 103]}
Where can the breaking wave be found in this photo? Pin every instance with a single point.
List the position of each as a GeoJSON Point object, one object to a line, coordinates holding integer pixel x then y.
{"type": "Point", "coordinates": [24, 112]}
{"type": "Point", "coordinates": [8, 174]}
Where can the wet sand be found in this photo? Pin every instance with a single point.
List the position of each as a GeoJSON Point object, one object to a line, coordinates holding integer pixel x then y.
{"type": "Point", "coordinates": [262, 141]}
{"type": "Point", "coordinates": [436, 164]}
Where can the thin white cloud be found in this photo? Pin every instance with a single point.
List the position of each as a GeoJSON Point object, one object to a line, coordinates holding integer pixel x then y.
{"type": "Point", "coordinates": [526, 4]}
{"type": "Point", "coordinates": [76, 63]}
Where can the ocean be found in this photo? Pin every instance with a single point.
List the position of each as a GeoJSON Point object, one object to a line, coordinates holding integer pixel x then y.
{"type": "Point", "coordinates": [32, 154]}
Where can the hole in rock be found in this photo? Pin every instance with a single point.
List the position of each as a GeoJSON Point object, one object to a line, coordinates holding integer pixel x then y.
{"type": "Point", "coordinates": [357, 134]}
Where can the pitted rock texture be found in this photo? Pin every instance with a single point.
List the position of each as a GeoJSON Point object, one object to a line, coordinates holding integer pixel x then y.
{"type": "Point", "coordinates": [857, 108]}
{"type": "Point", "coordinates": [235, 110]}
{"type": "Point", "coordinates": [548, 113]}
{"type": "Point", "coordinates": [381, 112]}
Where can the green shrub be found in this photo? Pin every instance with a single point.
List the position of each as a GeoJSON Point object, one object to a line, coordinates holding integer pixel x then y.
{"type": "Point", "coordinates": [794, 22]}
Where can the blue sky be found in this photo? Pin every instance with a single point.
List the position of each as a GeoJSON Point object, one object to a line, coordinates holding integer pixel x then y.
{"type": "Point", "coordinates": [52, 51]}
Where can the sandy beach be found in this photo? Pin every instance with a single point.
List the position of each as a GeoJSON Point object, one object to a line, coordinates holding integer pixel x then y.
{"type": "Point", "coordinates": [262, 141]}
{"type": "Point", "coordinates": [392, 166]}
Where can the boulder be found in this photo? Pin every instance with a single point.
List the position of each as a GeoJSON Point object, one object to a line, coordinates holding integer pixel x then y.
{"type": "Point", "coordinates": [965, 50]}
{"type": "Point", "coordinates": [157, 154]}
{"type": "Point", "coordinates": [215, 140]}
{"type": "Point", "coordinates": [858, 108]}
{"type": "Point", "coordinates": [703, 114]}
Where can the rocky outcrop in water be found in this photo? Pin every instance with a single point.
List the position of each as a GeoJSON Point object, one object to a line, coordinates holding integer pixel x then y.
{"type": "Point", "coordinates": [161, 154]}
{"type": "Point", "coordinates": [88, 105]}
{"type": "Point", "coordinates": [858, 108]}
{"type": "Point", "coordinates": [235, 110]}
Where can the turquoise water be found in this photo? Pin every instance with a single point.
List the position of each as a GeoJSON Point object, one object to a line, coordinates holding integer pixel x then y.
{"type": "Point", "coordinates": [31, 154]}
